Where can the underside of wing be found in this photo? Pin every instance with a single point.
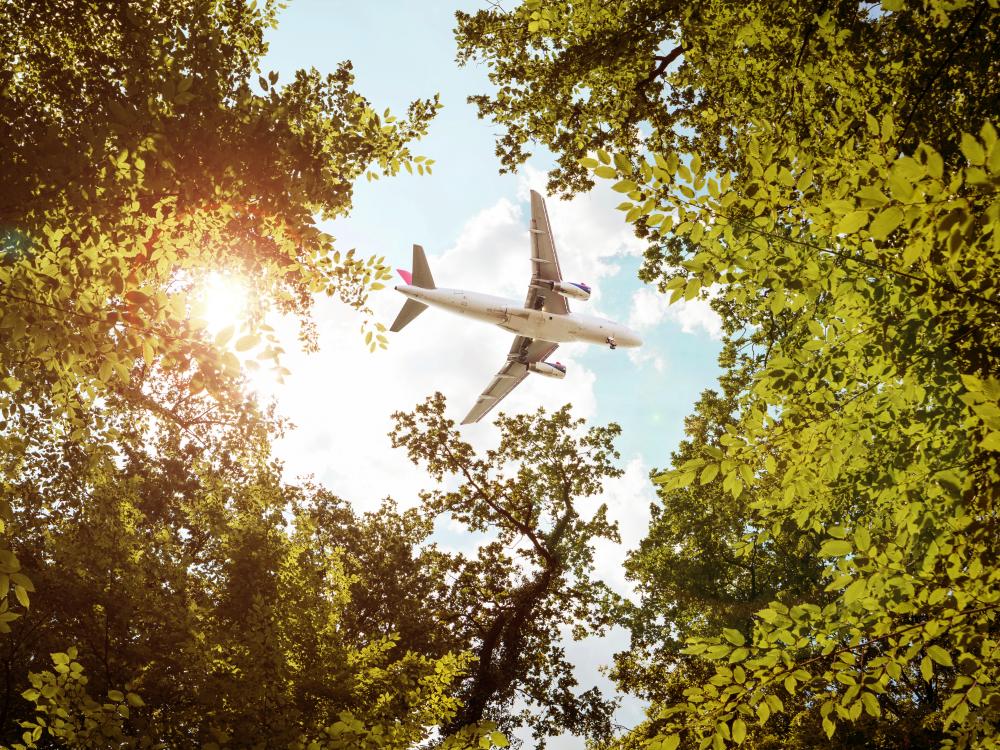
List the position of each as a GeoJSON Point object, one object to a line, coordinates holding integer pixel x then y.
{"type": "Point", "coordinates": [544, 262]}
{"type": "Point", "coordinates": [524, 352]}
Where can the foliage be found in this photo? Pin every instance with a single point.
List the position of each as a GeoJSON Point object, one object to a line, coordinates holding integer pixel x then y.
{"type": "Point", "coordinates": [138, 157]}
{"type": "Point", "coordinates": [860, 398]}
{"type": "Point", "coordinates": [692, 573]}
{"type": "Point", "coordinates": [205, 609]}
{"type": "Point", "coordinates": [531, 580]}
{"type": "Point", "coordinates": [650, 76]}
{"type": "Point", "coordinates": [206, 602]}
{"type": "Point", "coordinates": [829, 173]}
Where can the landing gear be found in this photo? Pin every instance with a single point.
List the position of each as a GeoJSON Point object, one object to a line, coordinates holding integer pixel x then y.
{"type": "Point", "coordinates": [611, 342]}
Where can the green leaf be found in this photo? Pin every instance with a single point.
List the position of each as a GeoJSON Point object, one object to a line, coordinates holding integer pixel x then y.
{"type": "Point", "coordinates": [739, 731]}
{"type": "Point", "coordinates": [855, 591]}
{"type": "Point", "coordinates": [734, 636]}
{"type": "Point", "coordinates": [991, 442]}
{"type": "Point", "coordinates": [828, 725]}
{"type": "Point", "coordinates": [670, 742]}
{"type": "Point", "coordinates": [939, 655]}
{"type": "Point", "coordinates": [852, 222]}
{"type": "Point", "coordinates": [20, 579]}
{"type": "Point", "coordinates": [763, 712]}
{"type": "Point", "coordinates": [835, 548]}
{"type": "Point", "coordinates": [709, 473]}
{"type": "Point", "coordinates": [885, 223]}
{"type": "Point", "coordinates": [872, 195]}
{"type": "Point", "coordinates": [926, 669]}
{"type": "Point", "coordinates": [223, 336]}
{"type": "Point", "coordinates": [116, 696]}
{"type": "Point", "coordinates": [608, 173]}
{"type": "Point", "coordinates": [973, 150]}
{"type": "Point", "coordinates": [871, 704]}
{"type": "Point", "coordinates": [862, 539]}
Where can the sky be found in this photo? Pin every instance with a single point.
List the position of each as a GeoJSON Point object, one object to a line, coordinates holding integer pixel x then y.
{"type": "Point", "coordinates": [472, 222]}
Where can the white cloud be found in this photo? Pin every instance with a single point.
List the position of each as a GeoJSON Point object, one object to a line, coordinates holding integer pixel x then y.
{"type": "Point", "coordinates": [650, 308]}
{"type": "Point", "coordinates": [628, 499]}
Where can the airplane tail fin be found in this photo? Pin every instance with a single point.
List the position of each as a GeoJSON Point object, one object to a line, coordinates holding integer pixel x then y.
{"type": "Point", "coordinates": [421, 271]}
{"type": "Point", "coordinates": [420, 276]}
{"type": "Point", "coordinates": [411, 309]}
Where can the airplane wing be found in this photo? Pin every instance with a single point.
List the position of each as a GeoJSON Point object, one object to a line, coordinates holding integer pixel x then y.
{"type": "Point", "coordinates": [544, 262]}
{"type": "Point", "coordinates": [524, 351]}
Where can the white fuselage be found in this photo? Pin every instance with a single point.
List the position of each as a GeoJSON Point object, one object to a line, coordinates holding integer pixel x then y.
{"type": "Point", "coordinates": [514, 317]}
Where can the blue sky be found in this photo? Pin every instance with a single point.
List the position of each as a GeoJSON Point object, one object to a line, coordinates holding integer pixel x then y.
{"type": "Point", "coordinates": [473, 224]}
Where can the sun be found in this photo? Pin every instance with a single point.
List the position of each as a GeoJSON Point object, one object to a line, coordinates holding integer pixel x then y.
{"type": "Point", "coordinates": [224, 300]}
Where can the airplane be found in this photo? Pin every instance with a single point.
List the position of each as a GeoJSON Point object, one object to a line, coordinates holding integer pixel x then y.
{"type": "Point", "coordinates": [540, 325]}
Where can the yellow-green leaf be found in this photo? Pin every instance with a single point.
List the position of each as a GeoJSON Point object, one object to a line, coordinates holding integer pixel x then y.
{"type": "Point", "coordinates": [885, 223]}
{"type": "Point", "coordinates": [739, 731]}
{"type": "Point", "coordinates": [852, 222]}
{"type": "Point", "coordinates": [247, 342]}
{"type": "Point", "coordinates": [709, 473]}
{"type": "Point", "coordinates": [939, 655]}
{"type": "Point", "coordinates": [734, 636]}
{"type": "Point", "coordinates": [973, 150]}
{"type": "Point", "coordinates": [835, 548]}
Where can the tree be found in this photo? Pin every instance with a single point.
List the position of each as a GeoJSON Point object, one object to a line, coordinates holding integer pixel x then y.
{"type": "Point", "coordinates": [192, 601]}
{"type": "Point", "coordinates": [138, 157]}
{"type": "Point", "coordinates": [194, 605]}
{"type": "Point", "coordinates": [830, 173]}
{"type": "Point", "coordinates": [532, 579]}
{"type": "Point", "coordinates": [705, 568]}
{"type": "Point", "coordinates": [652, 76]}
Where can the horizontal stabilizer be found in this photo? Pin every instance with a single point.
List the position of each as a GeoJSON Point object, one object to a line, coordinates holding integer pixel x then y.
{"type": "Point", "coordinates": [411, 309]}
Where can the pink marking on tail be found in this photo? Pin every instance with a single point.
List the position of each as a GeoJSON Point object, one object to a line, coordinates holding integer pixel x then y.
{"type": "Point", "coordinates": [407, 276]}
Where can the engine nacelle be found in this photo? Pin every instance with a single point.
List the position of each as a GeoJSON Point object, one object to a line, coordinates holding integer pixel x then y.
{"type": "Point", "coordinates": [549, 369]}
{"type": "Point", "coordinates": [576, 290]}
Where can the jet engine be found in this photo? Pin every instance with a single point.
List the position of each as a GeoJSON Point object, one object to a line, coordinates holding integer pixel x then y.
{"type": "Point", "coordinates": [549, 369]}
{"type": "Point", "coordinates": [576, 290]}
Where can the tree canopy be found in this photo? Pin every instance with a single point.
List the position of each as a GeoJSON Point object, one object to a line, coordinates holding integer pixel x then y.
{"type": "Point", "coordinates": [534, 578]}
{"type": "Point", "coordinates": [195, 602]}
{"type": "Point", "coordinates": [139, 156]}
{"type": "Point", "coordinates": [827, 175]}
{"type": "Point", "coordinates": [821, 567]}
{"type": "Point", "coordinates": [192, 605]}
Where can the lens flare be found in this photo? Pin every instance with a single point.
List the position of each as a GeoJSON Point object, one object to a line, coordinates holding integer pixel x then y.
{"type": "Point", "coordinates": [224, 301]}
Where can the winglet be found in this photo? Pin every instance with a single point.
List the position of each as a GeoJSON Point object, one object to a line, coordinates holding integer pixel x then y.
{"type": "Point", "coordinates": [407, 276]}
